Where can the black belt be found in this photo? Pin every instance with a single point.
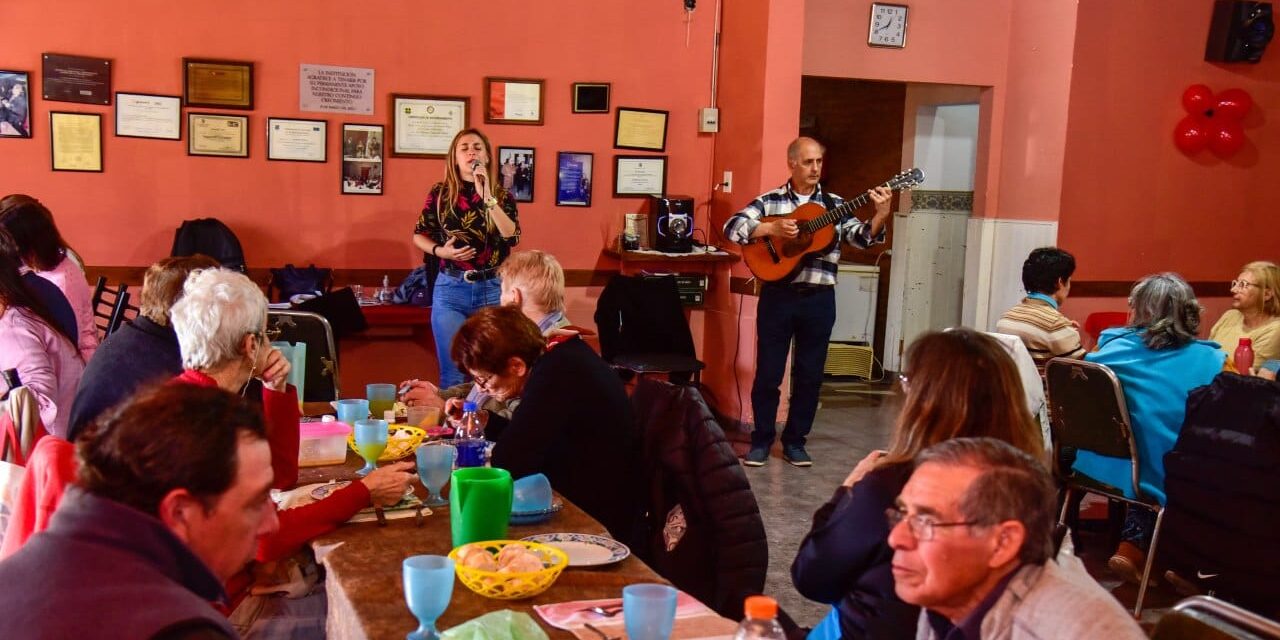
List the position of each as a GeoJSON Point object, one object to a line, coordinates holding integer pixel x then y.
{"type": "Point", "coordinates": [803, 289]}
{"type": "Point", "coordinates": [471, 275]}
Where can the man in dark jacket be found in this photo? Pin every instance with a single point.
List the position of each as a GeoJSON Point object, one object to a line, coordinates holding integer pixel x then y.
{"type": "Point", "coordinates": [172, 495]}
{"type": "Point", "coordinates": [140, 352]}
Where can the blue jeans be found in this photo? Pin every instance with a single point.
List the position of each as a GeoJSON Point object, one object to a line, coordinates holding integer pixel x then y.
{"type": "Point", "coordinates": [806, 315]}
{"type": "Point", "coordinates": [452, 302]}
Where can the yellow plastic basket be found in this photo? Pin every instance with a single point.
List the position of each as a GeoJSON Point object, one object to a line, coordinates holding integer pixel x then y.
{"type": "Point", "coordinates": [402, 441]}
{"type": "Point", "coordinates": [512, 586]}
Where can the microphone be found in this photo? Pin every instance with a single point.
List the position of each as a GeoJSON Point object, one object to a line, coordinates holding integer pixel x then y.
{"type": "Point", "coordinates": [476, 164]}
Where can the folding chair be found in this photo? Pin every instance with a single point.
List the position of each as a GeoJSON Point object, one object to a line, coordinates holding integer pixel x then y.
{"type": "Point", "coordinates": [111, 307]}
{"type": "Point", "coordinates": [643, 329]}
{"type": "Point", "coordinates": [322, 355]}
{"type": "Point", "coordinates": [1207, 618]}
{"type": "Point", "coordinates": [1088, 413]}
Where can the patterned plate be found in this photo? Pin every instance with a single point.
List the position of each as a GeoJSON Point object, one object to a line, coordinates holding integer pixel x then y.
{"type": "Point", "coordinates": [540, 515]}
{"type": "Point", "coordinates": [584, 549]}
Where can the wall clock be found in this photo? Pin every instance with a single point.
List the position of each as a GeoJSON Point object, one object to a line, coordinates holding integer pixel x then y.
{"type": "Point", "coordinates": [888, 25]}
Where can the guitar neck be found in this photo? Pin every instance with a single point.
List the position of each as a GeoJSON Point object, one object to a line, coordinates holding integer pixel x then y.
{"type": "Point", "coordinates": [840, 212]}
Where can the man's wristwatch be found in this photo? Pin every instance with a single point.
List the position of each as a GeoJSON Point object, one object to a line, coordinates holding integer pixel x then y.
{"type": "Point", "coordinates": [490, 202]}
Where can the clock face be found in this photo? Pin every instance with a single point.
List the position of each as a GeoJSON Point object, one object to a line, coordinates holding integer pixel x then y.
{"type": "Point", "coordinates": [888, 25]}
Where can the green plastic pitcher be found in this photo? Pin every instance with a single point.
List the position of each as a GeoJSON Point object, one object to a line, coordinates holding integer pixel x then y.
{"type": "Point", "coordinates": [479, 504]}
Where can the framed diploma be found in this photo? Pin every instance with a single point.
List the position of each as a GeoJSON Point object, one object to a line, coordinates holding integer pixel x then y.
{"type": "Point", "coordinates": [15, 105]}
{"type": "Point", "coordinates": [639, 176]}
{"type": "Point", "coordinates": [222, 84]}
{"type": "Point", "coordinates": [297, 139]}
{"type": "Point", "coordinates": [515, 168]}
{"type": "Point", "coordinates": [76, 79]}
{"type": "Point", "coordinates": [424, 126]}
{"type": "Point", "coordinates": [512, 101]}
{"type": "Point", "coordinates": [362, 159]}
{"type": "Point", "coordinates": [591, 97]}
{"type": "Point", "coordinates": [641, 129]}
{"type": "Point", "coordinates": [216, 134]}
{"type": "Point", "coordinates": [76, 141]}
{"type": "Point", "coordinates": [573, 179]}
{"type": "Point", "coordinates": [143, 115]}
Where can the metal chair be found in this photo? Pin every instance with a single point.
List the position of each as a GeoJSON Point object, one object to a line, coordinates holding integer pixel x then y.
{"type": "Point", "coordinates": [1208, 618]}
{"type": "Point", "coordinates": [1088, 413]}
{"type": "Point", "coordinates": [111, 307]}
{"type": "Point", "coordinates": [322, 354]}
{"type": "Point", "coordinates": [643, 329]}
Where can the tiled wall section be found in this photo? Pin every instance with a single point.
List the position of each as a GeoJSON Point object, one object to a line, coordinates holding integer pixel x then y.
{"type": "Point", "coordinates": [993, 265]}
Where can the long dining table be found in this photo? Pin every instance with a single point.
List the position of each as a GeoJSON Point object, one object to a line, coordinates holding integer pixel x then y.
{"type": "Point", "coordinates": [365, 589]}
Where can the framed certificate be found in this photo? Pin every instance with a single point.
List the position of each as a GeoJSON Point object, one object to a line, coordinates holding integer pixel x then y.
{"type": "Point", "coordinates": [591, 97]}
{"type": "Point", "coordinates": [512, 101]}
{"type": "Point", "coordinates": [641, 129]}
{"type": "Point", "coordinates": [15, 104]}
{"type": "Point", "coordinates": [143, 115]}
{"type": "Point", "coordinates": [222, 84]}
{"type": "Point", "coordinates": [216, 134]}
{"type": "Point", "coordinates": [573, 179]}
{"type": "Point", "coordinates": [639, 176]}
{"type": "Point", "coordinates": [516, 172]}
{"type": "Point", "coordinates": [362, 159]}
{"type": "Point", "coordinates": [424, 126]}
{"type": "Point", "coordinates": [297, 139]}
{"type": "Point", "coordinates": [76, 141]}
{"type": "Point", "coordinates": [76, 79]}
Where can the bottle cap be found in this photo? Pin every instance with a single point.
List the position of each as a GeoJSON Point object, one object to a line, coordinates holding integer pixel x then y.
{"type": "Point", "coordinates": [1248, 341]}
{"type": "Point", "coordinates": [761, 607]}
{"type": "Point", "coordinates": [328, 418]}
{"type": "Point", "coordinates": [468, 406]}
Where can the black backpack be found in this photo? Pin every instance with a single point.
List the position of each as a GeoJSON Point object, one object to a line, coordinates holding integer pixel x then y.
{"type": "Point", "coordinates": [209, 236]}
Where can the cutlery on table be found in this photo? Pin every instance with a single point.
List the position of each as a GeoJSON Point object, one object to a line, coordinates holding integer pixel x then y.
{"type": "Point", "coordinates": [603, 635]}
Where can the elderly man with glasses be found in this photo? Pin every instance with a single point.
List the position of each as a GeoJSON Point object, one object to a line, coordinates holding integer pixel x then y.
{"type": "Point", "coordinates": [972, 535]}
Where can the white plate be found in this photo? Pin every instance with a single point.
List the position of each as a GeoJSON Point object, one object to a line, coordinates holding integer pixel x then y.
{"type": "Point", "coordinates": [584, 549]}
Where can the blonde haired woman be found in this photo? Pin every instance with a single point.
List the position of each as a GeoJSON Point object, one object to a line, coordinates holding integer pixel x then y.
{"type": "Point", "coordinates": [1254, 314]}
{"type": "Point", "coordinates": [469, 224]}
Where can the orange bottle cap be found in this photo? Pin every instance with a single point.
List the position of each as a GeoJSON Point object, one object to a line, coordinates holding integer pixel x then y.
{"type": "Point", "coordinates": [761, 607]}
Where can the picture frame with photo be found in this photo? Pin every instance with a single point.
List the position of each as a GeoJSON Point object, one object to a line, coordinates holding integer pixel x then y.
{"type": "Point", "coordinates": [15, 104]}
{"type": "Point", "coordinates": [591, 97]}
{"type": "Point", "coordinates": [516, 171]}
{"type": "Point", "coordinates": [362, 153]}
{"type": "Point", "coordinates": [573, 178]}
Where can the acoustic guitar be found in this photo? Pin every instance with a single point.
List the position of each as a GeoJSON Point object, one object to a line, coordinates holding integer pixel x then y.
{"type": "Point", "coordinates": [772, 259]}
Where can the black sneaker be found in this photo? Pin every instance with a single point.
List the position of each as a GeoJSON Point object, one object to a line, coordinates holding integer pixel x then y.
{"type": "Point", "coordinates": [756, 457]}
{"type": "Point", "coordinates": [797, 456]}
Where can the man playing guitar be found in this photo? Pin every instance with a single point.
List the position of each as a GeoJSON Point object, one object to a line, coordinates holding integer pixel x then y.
{"type": "Point", "coordinates": [802, 306]}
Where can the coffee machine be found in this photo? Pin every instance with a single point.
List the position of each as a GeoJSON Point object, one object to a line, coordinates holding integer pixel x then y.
{"type": "Point", "coordinates": [671, 223]}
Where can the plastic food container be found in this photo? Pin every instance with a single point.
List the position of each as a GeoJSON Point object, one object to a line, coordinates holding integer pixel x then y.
{"type": "Point", "coordinates": [322, 443]}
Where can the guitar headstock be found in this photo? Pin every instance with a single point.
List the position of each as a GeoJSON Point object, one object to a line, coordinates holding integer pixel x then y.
{"type": "Point", "coordinates": [906, 180]}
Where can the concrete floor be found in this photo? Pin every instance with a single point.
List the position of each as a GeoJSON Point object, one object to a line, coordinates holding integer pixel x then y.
{"type": "Point", "coordinates": [854, 419]}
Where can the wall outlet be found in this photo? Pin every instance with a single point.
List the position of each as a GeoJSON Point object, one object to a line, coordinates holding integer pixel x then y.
{"type": "Point", "coordinates": [728, 182]}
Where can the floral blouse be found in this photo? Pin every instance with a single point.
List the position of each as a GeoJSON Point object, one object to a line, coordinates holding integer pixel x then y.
{"type": "Point", "coordinates": [466, 222]}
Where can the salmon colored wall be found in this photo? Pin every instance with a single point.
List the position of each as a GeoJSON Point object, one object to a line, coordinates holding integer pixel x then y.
{"type": "Point", "coordinates": [292, 212]}
{"type": "Point", "coordinates": [1133, 204]}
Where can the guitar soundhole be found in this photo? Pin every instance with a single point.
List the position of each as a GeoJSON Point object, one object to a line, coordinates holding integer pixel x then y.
{"type": "Point", "coordinates": [798, 245]}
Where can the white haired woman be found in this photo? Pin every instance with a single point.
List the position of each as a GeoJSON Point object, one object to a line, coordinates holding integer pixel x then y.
{"type": "Point", "coordinates": [221, 324]}
{"type": "Point", "coordinates": [1158, 361]}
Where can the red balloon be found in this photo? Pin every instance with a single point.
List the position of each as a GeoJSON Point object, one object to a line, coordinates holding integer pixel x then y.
{"type": "Point", "coordinates": [1227, 139]}
{"type": "Point", "coordinates": [1233, 104]}
{"type": "Point", "coordinates": [1197, 99]}
{"type": "Point", "coordinates": [1191, 135]}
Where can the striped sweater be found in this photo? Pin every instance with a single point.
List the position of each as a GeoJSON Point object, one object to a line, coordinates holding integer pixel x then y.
{"type": "Point", "coordinates": [1046, 332]}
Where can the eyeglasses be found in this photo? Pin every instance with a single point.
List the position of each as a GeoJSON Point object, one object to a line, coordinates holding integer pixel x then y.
{"type": "Point", "coordinates": [1243, 284]}
{"type": "Point", "coordinates": [268, 335]}
{"type": "Point", "coordinates": [921, 527]}
{"type": "Point", "coordinates": [482, 381]}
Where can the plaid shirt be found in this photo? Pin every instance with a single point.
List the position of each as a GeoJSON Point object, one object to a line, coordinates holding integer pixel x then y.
{"type": "Point", "coordinates": [819, 269]}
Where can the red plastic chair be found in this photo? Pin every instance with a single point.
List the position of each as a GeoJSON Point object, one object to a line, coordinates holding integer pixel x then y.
{"type": "Point", "coordinates": [1097, 322]}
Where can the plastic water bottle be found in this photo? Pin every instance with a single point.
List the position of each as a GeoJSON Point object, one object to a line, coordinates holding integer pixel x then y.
{"type": "Point", "coordinates": [385, 293]}
{"type": "Point", "coordinates": [761, 620]}
{"type": "Point", "coordinates": [1244, 356]}
{"type": "Point", "coordinates": [468, 438]}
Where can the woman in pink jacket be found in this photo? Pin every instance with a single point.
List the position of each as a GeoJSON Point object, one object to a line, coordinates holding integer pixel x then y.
{"type": "Point", "coordinates": [42, 249]}
{"type": "Point", "coordinates": [46, 359]}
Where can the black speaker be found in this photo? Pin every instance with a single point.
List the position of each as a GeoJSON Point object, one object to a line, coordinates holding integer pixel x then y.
{"type": "Point", "coordinates": [672, 220]}
{"type": "Point", "coordinates": [1240, 31]}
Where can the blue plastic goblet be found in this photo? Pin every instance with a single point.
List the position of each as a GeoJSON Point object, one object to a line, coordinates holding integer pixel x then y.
{"type": "Point", "coordinates": [371, 441]}
{"type": "Point", "coordinates": [351, 410]}
{"type": "Point", "coordinates": [435, 466]}
{"type": "Point", "coordinates": [428, 587]}
{"type": "Point", "coordinates": [649, 611]}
